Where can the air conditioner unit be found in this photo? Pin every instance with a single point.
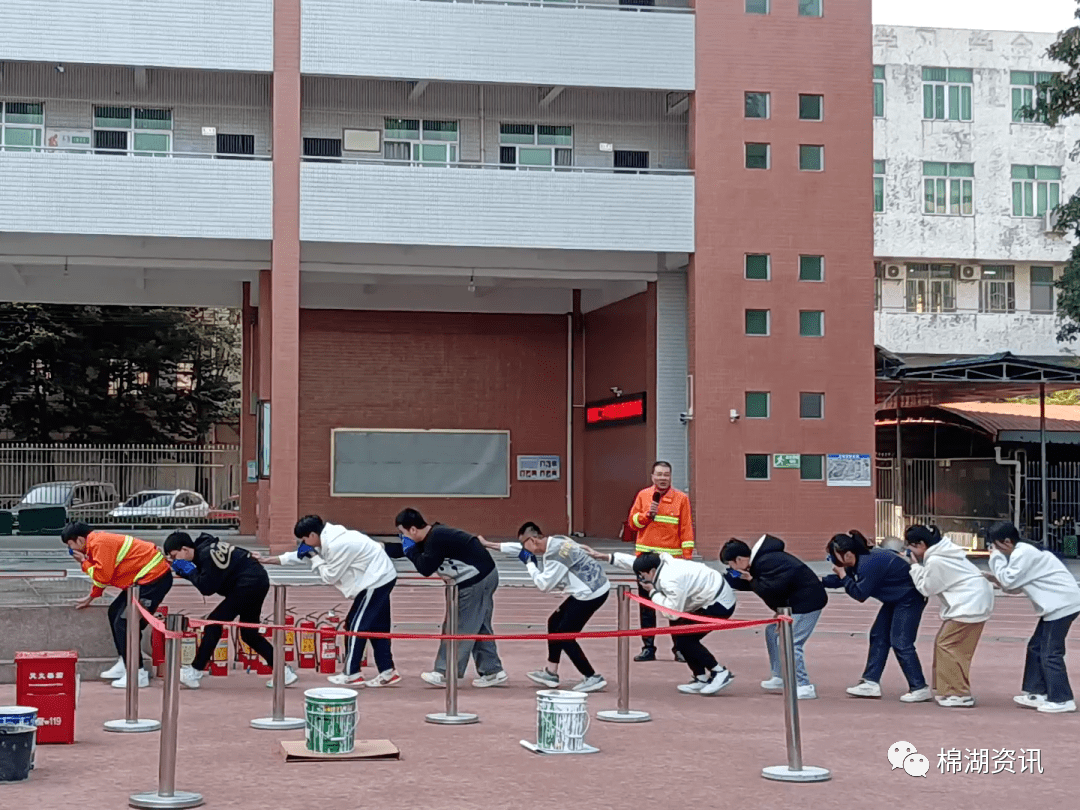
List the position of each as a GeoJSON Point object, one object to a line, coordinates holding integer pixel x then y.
{"type": "Point", "coordinates": [1052, 221]}
{"type": "Point", "coordinates": [969, 272]}
{"type": "Point", "coordinates": [894, 272]}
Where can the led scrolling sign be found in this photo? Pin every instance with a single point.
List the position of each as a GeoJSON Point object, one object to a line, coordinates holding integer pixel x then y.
{"type": "Point", "coordinates": [625, 410]}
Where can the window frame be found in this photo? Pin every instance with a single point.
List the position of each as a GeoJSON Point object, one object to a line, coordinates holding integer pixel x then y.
{"type": "Point", "coordinates": [939, 287]}
{"type": "Point", "coordinates": [19, 126]}
{"type": "Point", "coordinates": [1049, 285]}
{"type": "Point", "coordinates": [948, 191]}
{"type": "Point", "coordinates": [1031, 193]}
{"type": "Point", "coordinates": [132, 131]}
{"type": "Point", "coordinates": [879, 91]}
{"type": "Point", "coordinates": [820, 404]}
{"type": "Point", "coordinates": [821, 322]}
{"type": "Point", "coordinates": [746, 156]}
{"type": "Point", "coordinates": [1027, 93]}
{"type": "Point", "coordinates": [938, 95]}
{"type": "Point", "coordinates": [768, 105]}
{"type": "Point", "coordinates": [768, 323]}
{"type": "Point", "coordinates": [768, 466]}
{"type": "Point", "coordinates": [879, 186]}
{"type": "Point", "coordinates": [768, 404]}
{"type": "Point", "coordinates": [820, 6]}
{"type": "Point", "coordinates": [768, 266]}
{"type": "Point", "coordinates": [821, 469]}
{"type": "Point", "coordinates": [997, 295]}
{"type": "Point", "coordinates": [821, 156]}
{"type": "Point", "coordinates": [767, 4]}
{"type": "Point", "coordinates": [821, 268]}
{"type": "Point", "coordinates": [821, 106]}
{"type": "Point", "coordinates": [554, 148]}
{"type": "Point", "coordinates": [417, 144]}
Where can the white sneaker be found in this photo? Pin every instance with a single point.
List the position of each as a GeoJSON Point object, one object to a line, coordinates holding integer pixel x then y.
{"type": "Point", "coordinates": [433, 678]}
{"type": "Point", "coordinates": [865, 689]}
{"type": "Point", "coordinates": [290, 678]}
{"type": "Point", "coordinates": [543, 678]}
{"type": "Point", "coordinates": [1057, 708]}
{"type": "Point", "coordinates": [117, 670]}
{"type": "Point", "coordinates": [388, 678]}
{"type": "Point", "coordinates": [720, 679]}
{"type": "Point", "coordinates": [144, 680]}
{"type": "Point", "coordinates": [594, 683]}
{"type": "Point", "coordinates": [956, 702]}
{"type": "Point", "coordinates": [494, 679]}
{"type": "Point", "coordinates": [1029, 701]}
{"type": "Point", "coordinates": [693, 688]}
{"type": "Point", "coordinates": [341, 679]}
{"type": "Point", "coordinates": [773, 685]}
{"type": "Point", "coordinates": [190, 677]}
{"type": "Point", "coordinates": [917, 695]}
{"type": "Point", "coordinates": [807, 692]}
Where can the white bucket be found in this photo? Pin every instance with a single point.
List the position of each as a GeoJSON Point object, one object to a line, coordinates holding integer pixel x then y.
{"type": "Point", "coordinates": [561, 721]}
{"type": "Point", "coordinates": [22, 716]}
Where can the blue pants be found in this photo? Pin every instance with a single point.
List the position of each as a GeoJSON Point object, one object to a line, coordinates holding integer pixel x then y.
{"type": "Point", "coordinates": [370, 613]}
{"type": "Point", "coordinates": [803, 625]}
{"type": "Point", "coordinates": [1044, 669]}
{"type": "Point", "coordinates": [896, 627]}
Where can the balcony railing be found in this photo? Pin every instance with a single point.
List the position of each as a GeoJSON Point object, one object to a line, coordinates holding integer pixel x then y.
{"type": "Point", "coordinates": [661, 6]}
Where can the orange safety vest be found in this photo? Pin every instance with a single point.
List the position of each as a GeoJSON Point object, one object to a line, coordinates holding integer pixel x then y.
{"type": "Point", "coordinates": [671, 531]}
{"type": "Point", "coordinates": [120, 560]}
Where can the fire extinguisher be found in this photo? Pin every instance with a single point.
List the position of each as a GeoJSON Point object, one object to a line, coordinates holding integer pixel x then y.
{"type": "Point", "coordinates": [328, 647]}
{"type": "Point", "coordinates": [290, 640]}
{"type": "Point", "coordinates": [261, 667]}
{"type": "Point", "coordinates": [157, 644]}
{"type": "Point", "coordinates": [308, 656]}
{"type": "Point", "coordinates": [220, 663]}
{"type": "Point", "coordinates": [188, 646]}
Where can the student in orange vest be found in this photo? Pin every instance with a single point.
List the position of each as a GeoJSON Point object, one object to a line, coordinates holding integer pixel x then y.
{"type": "Point", "coordinates": [119, 561]}
{"type": "Point", "coordinates": [661, 517]}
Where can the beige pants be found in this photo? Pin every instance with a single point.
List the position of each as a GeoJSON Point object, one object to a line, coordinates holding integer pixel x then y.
{"type": "Point", "coordinates": [953, 650]}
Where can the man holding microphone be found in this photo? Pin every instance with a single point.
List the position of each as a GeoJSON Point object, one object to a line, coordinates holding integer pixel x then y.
{"type": "Point", "coordinates": [661, 517]}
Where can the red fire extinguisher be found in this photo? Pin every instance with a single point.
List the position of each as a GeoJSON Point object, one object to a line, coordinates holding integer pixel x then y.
{"type": "Point", "coordinates": [328, 647]}
{"type": "Point", "coordinates": [157, 644]}
{"type": "Point", "coordinates": [290, 640]}
{"type": "Point", "coordinates": [308, 656]}
{"type": "Point", "coordinates": [219, 665]}
{"type": "Point", "coordinates": [261, 667]}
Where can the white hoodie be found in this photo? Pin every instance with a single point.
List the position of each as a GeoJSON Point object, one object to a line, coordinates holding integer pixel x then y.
{"type": "Point", "coordinates": [1042, 577]}
{"type": "Point", "coordinates": [564, 566]}
{"type": "Point", "coordinates": [966, 595]}
{"type": "Point", "coordinates": [349, 560]}
{"type": "Point", "coordinates": [683, 585]}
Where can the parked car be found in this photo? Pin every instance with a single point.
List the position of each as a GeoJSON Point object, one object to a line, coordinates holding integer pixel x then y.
{"type": "Point", "coordinates": [161, 503]}
{"type": "Point", "coordinates": [229, 510]}
{"type": "Point", "coordinates": [84, 500]}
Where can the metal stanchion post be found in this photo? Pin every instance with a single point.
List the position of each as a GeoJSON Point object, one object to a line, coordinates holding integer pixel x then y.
{"type": "Point", "coordinates": [794, 771]}
{"type": "Point", "coordinates": [131, 722]}
{"type": "Point", "coordinates": [451, 717]}
{"type": "Point", "coordinates": [624, 714]}
{"type": "Point", "coordinates": [167, 795]}
{"type": "Point", "coordinates": [278, 720]}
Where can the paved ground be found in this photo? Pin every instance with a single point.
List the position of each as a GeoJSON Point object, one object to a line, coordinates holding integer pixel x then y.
{"type": "Point", "coordinates": [699, 752]}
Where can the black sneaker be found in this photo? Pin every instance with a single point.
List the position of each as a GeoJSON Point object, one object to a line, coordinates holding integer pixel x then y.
{"type": "Point", "coordinates": [646, 654]}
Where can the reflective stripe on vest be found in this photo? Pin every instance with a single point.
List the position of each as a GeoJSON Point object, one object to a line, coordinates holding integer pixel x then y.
{"type": "Point", "coordinates": [146, 569]}
{"type": "Point", "coordinates": [687, 543]}
{"type": "Point", "coordinates": [94, 582]}
{"type": "Point", "coordinates": [641, 549]}
{"type": "Point", "coordinates": [674, 521]}
{"type": "Point", "coordinates": [124, 549]}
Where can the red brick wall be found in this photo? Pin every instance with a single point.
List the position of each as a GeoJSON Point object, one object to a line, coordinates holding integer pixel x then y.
{"type": "Point", "coordinates": [784, 212]}
{"type": "Point", "coordinates": [434, 370]}
{"type": "Point", "coordinates": [620, 350]}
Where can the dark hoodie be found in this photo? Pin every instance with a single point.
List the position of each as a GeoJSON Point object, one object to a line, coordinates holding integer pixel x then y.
{"type": "Point", "coordinates": [223, 567]}
{"type": "Point", "coordinates": [781, 579]}
{"type": "Point", "coordinates": [881, 574]}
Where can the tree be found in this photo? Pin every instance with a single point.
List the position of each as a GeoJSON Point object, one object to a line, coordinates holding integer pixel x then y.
{"type": "Point", "coordinates": [115, 374]}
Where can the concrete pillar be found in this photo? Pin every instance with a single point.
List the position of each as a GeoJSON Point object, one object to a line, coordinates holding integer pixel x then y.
{"type": "Point", "coordinates": [263, 374]}
{"type": "Point", "coordinates": [248, 426]}
{"type": "Point", "coordinates": [577, 471]}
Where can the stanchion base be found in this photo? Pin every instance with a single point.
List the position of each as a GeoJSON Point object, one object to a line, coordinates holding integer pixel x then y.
{"type": "Point", "coordinates": [615, 716]}
{"type": "Point", "coordinates": [782, 773]}
{"type": "Point", "coordinates": [270, 724]}
{"type": "Point", "coordinates": [444, 719]}
{"type": "Point", "coordinates": [180, 798]}
{"type": "Point", "coordinates": [134, 727]}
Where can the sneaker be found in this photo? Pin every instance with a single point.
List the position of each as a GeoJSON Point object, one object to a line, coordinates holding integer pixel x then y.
{"type": "Point", "coordinates": [807, 692]}
{"type": "Point", "coordinates": [646, 654]}
{"type": "Point", "coordinates": [190, 677]}
{"type": "Point", "coordinates": [956, 701]}
{"type": "Point", "coordinates": [1029, 701]}
{"type": "Point", "coordinates": [594, 683]}
{"type": "Point", "coordinates": [434, 678]}
{"type": "Point", "coordinates": [693, 688]}
{"type": "Point", "coordinates": [341, 679]}
{"type": "Point", "coordinates": [1057, 708]}
{"type": "Point", "coordinates": [917, 695]}
{"type": "Point", "coordinates": [494, 679]}
{"type": "Point", "coordinates": [543, 678]}
{"type": "Point", "coordinates": [865, 689]}
{"type": "Point", "coordinates": [773, 684]}
{"type": "Point", "coordinates": [117, 670]}
{"type": "Point", "coordinates": [290, 678]}
{"type": "Point", "coordinates": [720, 679]}
{"type": "Point", "coordinates": [389, 677]}
{"type": "Point", "coordinates": [144, 680]}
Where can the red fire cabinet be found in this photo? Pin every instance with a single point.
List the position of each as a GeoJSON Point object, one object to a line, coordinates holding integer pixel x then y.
{"type": "Point", "coordinates": [46, 681]}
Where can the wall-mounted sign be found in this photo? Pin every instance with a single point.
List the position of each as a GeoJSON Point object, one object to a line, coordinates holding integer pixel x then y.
{"type": "Point", "coordinates": [848, 470]}
{"type": "Point", "coordinates": [263, 446]}
{"type": "Point", "coordinates": [625, 410]}
{"type": "Point", "coordinates": [786, 461]}
{"type": "Point", "coordinates": [539, 468]}
{"type": "Point", "coordinates": [253, 472]}
{"type": "Point", "coordinates": [76, 140]}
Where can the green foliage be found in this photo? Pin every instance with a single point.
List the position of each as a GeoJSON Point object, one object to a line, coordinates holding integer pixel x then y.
{"type": "Point", "coordinates": [115, 374]}
{"type": "Point", "coordinates": [1070, 397]}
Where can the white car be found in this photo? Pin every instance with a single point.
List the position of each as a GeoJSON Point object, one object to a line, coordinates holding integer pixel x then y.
{"type": "Point", "coordinates": [160, 503]}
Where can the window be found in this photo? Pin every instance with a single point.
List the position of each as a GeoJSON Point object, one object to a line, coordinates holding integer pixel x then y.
{"type": "Point", "coordinates": [1025, 91]}
{"type": "Point", "coordinates": [185, 377]}
{"type": "Point", "coordinates": [812, 468]}
{"type": "Point", "coordinates": [811, 108]}
{"type": "Point", "coordinates": [1042, 289]}
{"type": "Point", "coordinates": [627, 161]}
{"type": "Point", "coordinates": [811, 158]}
{"type": "Point", "coordinates": [879, 274]}
{"type": "Point", "coordinates": [235, 144]}
{"type": "Point", "coordinates": [118, 130]}
{"type": "Point", "coordinates": [879, 91]}
{"type": "Point", "coordinates": [997, 289]}
{"type": "Point", "coordinates": [757, 156]}
{"type": "Point", "coordinates": [757, 6]}
{"type": "Point", "coordinates": [757, 405]}
{"type": "Point", "coordinates": [879, 186]}
{"type": "Point", "coordinates": [529, 145]}
{"type": "Point", "coordinates": [948, 188]}
{"type": "Point", "coordinates": [322, 147]}
{"type": "Point", "coordinates": [429, 143]}
{"type": "Point", "coordinates": [811, 406]}
{"type": "Point", "coordinates": [757, 467]}
{"type": "Point", "coordinates": [931, 288]}
{"type": "Point", "coordinates": [758, 266]}
{"type": "Point", "coordinates": [947, 94]}
{"type": "Point", "coordinates": [1035, 190]}
{"type": "Point", "coordinates": [811, 323]}
{"type": "Point", "coordinates": [756, 105]}
{"type": "Point", "coordinates": [810, 8]}
{"type": "Point", "coordinates": [22, 125]}
{"type": "Point", "coordinates": [811, 268]}
{"type": "Point", "coordinates": [757, 322]}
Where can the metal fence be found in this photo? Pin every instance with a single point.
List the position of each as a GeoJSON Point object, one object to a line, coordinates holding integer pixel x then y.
{"type": "Point", "coordinates": [124, 485]}
{"type": "Point", "coordinates": [1063, 492]}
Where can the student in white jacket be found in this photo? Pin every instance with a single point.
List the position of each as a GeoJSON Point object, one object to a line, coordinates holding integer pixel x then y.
{"type": "Point", "coordinates": [941, 568]}
{"type": "Point", "coordinates": [360, 568]}
{"type": "Point", "coordinates": [1017, 565]}
{"type": "Point", "coordinates": [688, 587]}
{"type": "Point", "coordinates": [557, 563]}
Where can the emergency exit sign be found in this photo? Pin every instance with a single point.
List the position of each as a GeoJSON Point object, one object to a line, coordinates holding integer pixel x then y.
{"type": "Point", "coordinates": [786, 461]}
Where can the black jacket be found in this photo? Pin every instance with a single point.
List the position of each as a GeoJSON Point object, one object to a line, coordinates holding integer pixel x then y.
{"type": "Point", "coordinates": [222, 567]}
{"type": "Point", "coordinates": [451, 553]}
{"type": "Point", "coordinates": [781, 579]}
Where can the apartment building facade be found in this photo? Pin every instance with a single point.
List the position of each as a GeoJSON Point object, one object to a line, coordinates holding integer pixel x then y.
{"type": "Point", "coordinates": [492, 259]}
{"type": "Point", "coordinates": [965, 240]}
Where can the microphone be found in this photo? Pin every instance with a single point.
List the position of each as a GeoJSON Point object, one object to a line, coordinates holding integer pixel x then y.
{"type": "Point", "coordinates": [656, 496]}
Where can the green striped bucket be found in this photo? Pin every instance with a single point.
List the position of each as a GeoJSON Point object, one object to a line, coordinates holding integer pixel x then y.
{"type": "Point", "coordinates": [561, 721]}
{"type": "Point", "coordinates": [331, 720]}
